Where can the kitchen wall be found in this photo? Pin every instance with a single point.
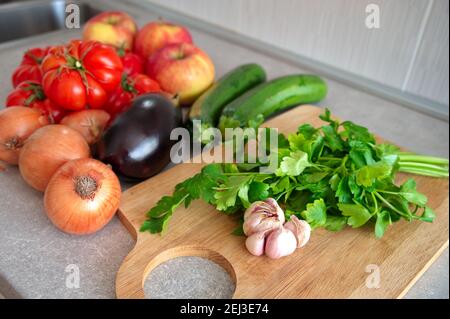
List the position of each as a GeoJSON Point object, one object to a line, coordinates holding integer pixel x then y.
{"type": "Point", "coordinates": [409, 51]}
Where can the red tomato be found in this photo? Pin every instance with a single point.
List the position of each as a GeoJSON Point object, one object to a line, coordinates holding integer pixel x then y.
{"type": "Point", "coordinates": [131, 86]}
{"type": "Point", "coordinates": [81, 74]}
{"type": "Point", "coordinates": [132, 62]}
{"type": "Point", "coordinates": [30, 67]}
{"type": "Point", "coordinates": [30, 93]}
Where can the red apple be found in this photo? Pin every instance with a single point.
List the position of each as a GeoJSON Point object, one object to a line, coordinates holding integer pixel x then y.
{"type": "Point", "coordinates": [111, 27]}
{"type": "Point", "coordinates": [181, 69]}
{"type": "Point", "coordinates": [156, 35]}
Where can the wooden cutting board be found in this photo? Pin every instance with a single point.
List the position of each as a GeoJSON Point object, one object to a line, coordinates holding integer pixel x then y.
{"type": "Point", "coordinates": [331, 265]}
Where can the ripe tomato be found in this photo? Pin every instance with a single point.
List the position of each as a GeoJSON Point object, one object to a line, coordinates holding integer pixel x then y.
{"type": "Point", "coordinates": [30, 67]}
{"type": "Point", "coordinates": [131, 86]}
{"type": "Point", "coordinates": [30, 93]}
{"type": "Point", "coordinates": [132, 62]}
{"type": "Point", "coordinates": [81, 74]}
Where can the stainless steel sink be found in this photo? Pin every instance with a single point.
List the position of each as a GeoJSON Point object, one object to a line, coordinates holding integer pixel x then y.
{"type": "Point", "coordinates": [27, 18]}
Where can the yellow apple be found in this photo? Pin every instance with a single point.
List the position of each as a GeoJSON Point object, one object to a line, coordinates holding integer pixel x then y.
{"type": "Point", "coordinates": [111, 27]}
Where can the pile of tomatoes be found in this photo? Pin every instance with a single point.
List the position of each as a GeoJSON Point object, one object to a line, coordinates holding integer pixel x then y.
{"type": "Point", "coordinates": [77, 76]}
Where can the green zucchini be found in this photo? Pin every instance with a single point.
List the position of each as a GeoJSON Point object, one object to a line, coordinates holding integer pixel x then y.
{"type": "Point", "coordinates": [208, 107]}
{"type": "Point", "coordinates": [251, 108]}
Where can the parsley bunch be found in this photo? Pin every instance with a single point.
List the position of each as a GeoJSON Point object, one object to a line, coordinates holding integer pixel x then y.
{"type": "Point", "coordinates": [332, 176]}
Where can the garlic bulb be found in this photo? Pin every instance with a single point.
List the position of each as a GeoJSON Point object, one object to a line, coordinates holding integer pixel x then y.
{"type": "Point", "coordinates": [263, 216]}
{"type": "Point", "coordinates": [280, 242]}
{"type": "Point", "coordinates": [300, 228]}
{"type": "Point", "coordinates": [255, 243]}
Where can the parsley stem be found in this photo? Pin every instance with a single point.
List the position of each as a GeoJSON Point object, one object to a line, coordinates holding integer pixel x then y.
{"type": "Point", "coordinates": [246, 173]}
{"type": "Point", "coordinates": [390, 205]}
{"type": "Point", "coordinates": [423, 165]}
{"type": "Point", "coordinates": [410, 157]}
{"type": "Point", "coordinates": [325, 158]}
{"type": "Point", "coordinates": [375, 202]}
{"type": "Point", "coordinates": [388, 192]}
{"type": "Point", "coordinates": [423, 172]}
{"type": "Point", "coordinates": [285, 192]}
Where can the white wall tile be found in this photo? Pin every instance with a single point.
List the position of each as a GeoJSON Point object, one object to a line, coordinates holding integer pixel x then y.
{"type": "Point", "coordinates": [429, 73]}
{"type": "Point", "coordinates": [331, 31]}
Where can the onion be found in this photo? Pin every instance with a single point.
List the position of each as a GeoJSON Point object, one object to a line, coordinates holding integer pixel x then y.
{"type": "Point", "coordinates": [16, 125]}
{"type": "Point", "coordinates": [82, 196]}
{"type": "Point", "coordinates": [46, 150]}
{"type": "Point", "coordinates": [90, 123]}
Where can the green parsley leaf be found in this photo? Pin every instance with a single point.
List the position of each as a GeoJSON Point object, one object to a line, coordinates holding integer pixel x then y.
{"type": "Point", "coordinates": [343, 191]}
{"type": "Point", "coordinates": [335, 223]}
{"type": "Point", "coordinates": [315, 177]}
{"type": "Point", "coordinates": [334, 182]}
{"type": "Point", "coordinates": [354, 188]}
{"type": "Point", "coordinates": [367, 175]}
{"type": "Point", "coordinates": [296, 142]}
{"type": "Point", "coordinates": [281, 185]}
{"type": "Point", "coordinates": [354, 132]}
{"type": "Point", "coordinates": [156, 225]}
{"type": "Point", "coordinates": [332, 138]}
{"type": "Point", "coordinates": [243, 195]}
{"type": "Point", "coordinates": [409, 192]}
{"type": "Point", "coordinates": [358, 215]}
{"type": "Point", "coordinates": [315, 213]}
{"type": "Point", "coordinates": [326, 117]}
{"type": "Point", "coordinates": [383, 221]}
{"type": "Point", "coordinates": [227, 193]}
{"type": "Point", "coordinates": [167, 205]}
{"type": "Point", "coordinates": [258, 191]}
{"type": "Point", "coordinates": [428, 215]}
{"type": "Point", "coordinates": [307, 130]}
{"type": "Point", "coordinates": [361, 154]}
{"type": "Point", "coordinates": [294, 164]}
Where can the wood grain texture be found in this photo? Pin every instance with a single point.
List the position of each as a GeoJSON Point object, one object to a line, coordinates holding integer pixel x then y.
{"type": "Point", "coordinates": [333, 32]}
{"type": "Point", "coordinates": [332, 265]}
{"type": "Point", "coordinates": [430, 72]}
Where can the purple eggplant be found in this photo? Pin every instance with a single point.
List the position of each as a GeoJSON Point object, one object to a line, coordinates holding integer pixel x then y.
{"type": "Point", "coordinates": [137, 144]}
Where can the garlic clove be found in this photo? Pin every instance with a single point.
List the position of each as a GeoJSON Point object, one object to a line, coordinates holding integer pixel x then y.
{"type": "Point", "coordinates": [259, 223]}
{"type": "Point", "coordinates": [255, 243]}
{"type": "Point", "coordinates": [262, 216]}
{"type": "Point", "coordinates": [274, 205]}
{"type": "Point", "coordinates": [267, 206]}
{"type": "Point", "coordinates": [253, 208]}
{"type": "Point", "coordinates": [250, 224]}
{"type": "Point", "coordinates": [301, 230]}
{"type": "Point", "coordinates": [280, 242]}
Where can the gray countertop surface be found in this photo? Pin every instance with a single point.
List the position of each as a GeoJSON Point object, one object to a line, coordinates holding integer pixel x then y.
{"type": "Point", "coordinates": [37, 260]}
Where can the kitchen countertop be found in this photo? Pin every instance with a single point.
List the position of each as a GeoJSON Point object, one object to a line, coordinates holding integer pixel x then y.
{"type": "Point", "coordinates": [36, 259]}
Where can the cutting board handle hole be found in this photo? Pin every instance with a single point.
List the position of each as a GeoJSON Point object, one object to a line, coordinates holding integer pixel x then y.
{"type": "Point", "coordinates": [181, 269]}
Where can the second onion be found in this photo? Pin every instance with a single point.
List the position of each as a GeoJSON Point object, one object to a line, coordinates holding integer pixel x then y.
{"type": "Point", "coordinates": [46, 150]}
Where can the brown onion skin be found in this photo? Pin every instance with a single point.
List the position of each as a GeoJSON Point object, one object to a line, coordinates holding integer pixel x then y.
{"type": "Point", "coordinates": [73, 214]}
{"type": "Point", "coordinates": [18, 123]}
{"type": "Point", "coordinates": [90, 123]}
{"type": "Point", "coordinates": [46, 150]}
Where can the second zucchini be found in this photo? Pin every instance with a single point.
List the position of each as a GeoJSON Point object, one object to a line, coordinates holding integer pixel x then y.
{"type": "Point", "coordinates": [251, 108]}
